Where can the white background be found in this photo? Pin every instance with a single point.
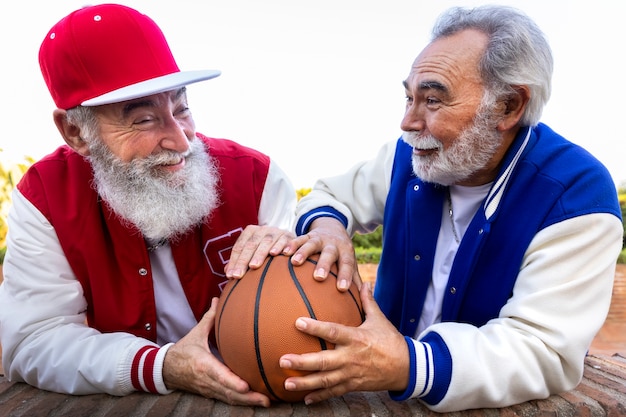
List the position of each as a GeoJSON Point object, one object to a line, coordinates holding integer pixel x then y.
{"type": "Point", "coordinates": [317, 85]}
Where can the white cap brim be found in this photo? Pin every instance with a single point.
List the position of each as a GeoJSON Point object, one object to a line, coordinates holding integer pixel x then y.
{"type": "Point", "coordinates": [153, 86]}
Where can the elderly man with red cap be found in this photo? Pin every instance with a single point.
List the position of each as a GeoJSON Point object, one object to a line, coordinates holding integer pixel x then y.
{"type": "Point", "coordinates": [119, 238]}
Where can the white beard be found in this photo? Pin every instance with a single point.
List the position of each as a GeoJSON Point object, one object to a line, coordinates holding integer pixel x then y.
{"type": "Point", "coordinates": [468, 154]}
{"type": "Point", "coordinates": [161, 205]}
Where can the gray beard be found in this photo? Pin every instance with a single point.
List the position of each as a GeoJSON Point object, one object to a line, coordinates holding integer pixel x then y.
{"type": "Point", "coordinates": [161, 205]}
{"type": "Point", "coordinates": [470, 152]}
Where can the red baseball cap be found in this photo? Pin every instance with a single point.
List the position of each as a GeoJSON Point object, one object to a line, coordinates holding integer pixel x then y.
{"type": "Point", "coordinates": [109, 53]}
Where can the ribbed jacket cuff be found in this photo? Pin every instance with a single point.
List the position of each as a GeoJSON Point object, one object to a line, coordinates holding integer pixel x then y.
{"type": "Point", "coordinates": [304, 222]}
{"type": "Point", "coordinates": [147, 369]}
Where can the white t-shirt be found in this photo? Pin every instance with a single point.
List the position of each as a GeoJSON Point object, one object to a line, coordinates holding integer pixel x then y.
{"type": "Point", "coordinates": [465, 203]}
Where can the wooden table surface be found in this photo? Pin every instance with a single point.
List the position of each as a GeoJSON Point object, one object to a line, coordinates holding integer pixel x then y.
{"type": "Point", "coordinates": [601, 393]}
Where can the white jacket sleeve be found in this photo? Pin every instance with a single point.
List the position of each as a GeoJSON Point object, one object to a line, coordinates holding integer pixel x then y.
{"type": "Point", "coordinates": [537, 345]}
{"type": "Point", "coordinates": [44, 338]}
{"type": "Point", "coordinates": [363, 189]}
{"type": "Point", "coordinates": [278, 203]}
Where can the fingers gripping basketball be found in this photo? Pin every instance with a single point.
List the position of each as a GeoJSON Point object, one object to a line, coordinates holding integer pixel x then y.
{"type": "Point", "coordinates": [255, 320]}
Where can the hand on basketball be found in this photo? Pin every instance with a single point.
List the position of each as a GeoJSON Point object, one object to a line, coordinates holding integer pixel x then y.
{"type": "Point", "coordinates": [253, 246]}
{"type": "Point", "coordinates": [329, 238]}
{"type": "Point", "coordinates": [189, 365]}
{"type": "Point", "coordinates": [371, 357]}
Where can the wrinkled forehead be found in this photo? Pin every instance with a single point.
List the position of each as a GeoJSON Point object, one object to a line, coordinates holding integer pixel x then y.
{"type": "Point", "coordinates": [450, 60]}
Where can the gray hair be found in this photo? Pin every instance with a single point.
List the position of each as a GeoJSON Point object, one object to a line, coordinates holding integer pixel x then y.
{"type": "Point", "coordinates": [85, 118]}
{"type": "Point", "coordinates": [517, 52]}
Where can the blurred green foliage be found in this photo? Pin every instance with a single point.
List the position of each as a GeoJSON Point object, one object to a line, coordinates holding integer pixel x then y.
{"type": "Point", "coordinates": [10, 175]}
{"type": "Point", "coordinates": [368, 247]}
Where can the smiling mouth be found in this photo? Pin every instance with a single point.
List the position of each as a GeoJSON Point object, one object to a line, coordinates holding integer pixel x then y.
{"type": "Point", "coordinates": [173, 165]}
{"type": "Point", "coordinates": [180, 161]}
{"type": "Point", "coordinates": [426, 145]}
{"type": "Point", "coordinates": [425, 151]}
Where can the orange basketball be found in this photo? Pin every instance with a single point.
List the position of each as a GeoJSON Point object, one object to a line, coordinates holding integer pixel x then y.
{"type": "Point", "coordinates": [255, 322]}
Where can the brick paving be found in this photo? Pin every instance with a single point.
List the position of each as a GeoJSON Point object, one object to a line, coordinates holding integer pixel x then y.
{"type": "Point", "coordinates": [612, 336]}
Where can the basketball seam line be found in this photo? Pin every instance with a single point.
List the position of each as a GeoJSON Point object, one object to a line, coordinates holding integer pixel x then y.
{"type": "Point", "coordinates": [257, 347]}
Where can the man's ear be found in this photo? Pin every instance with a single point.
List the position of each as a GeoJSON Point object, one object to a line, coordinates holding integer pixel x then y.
{"type": "Point", "coordinates": [514, 107]}
{"type": "Point", "coordinates": [70, 132]}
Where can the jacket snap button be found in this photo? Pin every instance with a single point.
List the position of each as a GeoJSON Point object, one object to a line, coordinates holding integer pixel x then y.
{"type": "Point", "coordinates": [417, 257]}
{"type": "Point", "coordinates": [143, 272]}
{"type": "Point", "coordinates": [416, 187]}
{"type": "Point", "coordinates": [452, 290]}
{"type": "Point", "coordinates": [147, 326]}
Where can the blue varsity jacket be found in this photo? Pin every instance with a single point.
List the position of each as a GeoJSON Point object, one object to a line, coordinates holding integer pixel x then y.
{"type": "Point", "coordinates": [544, 179]}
